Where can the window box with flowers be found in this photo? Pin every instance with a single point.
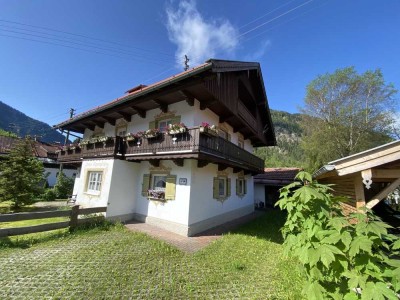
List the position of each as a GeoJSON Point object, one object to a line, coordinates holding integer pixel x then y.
{"type": "Point", "coordinates": [151, 133]}
{"type": "Point", "coordinates": [84, 142]}
{"type": "Point", "coordinates": [133, 137]}
{"type": "Point", "coordinates": [156, 195]}
{"type": "Point", "coordinates": [177, 128]}
{"type": "Point", "coordinates": [208, 129]}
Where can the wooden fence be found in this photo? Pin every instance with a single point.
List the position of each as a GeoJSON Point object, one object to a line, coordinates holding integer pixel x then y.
{"type": "Point", "coordinates": [73, 214]}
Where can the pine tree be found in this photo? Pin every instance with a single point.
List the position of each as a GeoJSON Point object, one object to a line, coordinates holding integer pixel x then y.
{"type": "Point", "coordinates": [22, 175]}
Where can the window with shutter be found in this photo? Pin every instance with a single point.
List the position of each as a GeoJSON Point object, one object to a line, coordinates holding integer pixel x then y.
{"type": "Point", "coordinates": [170, 189]}
{"type": "Point", "coordinates": [145, 184]}
{"type": "Point", "coordinates": [221, 188]}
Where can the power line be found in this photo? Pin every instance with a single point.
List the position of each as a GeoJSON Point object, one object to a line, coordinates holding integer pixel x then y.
{"type": "Point", "coordinates": [84, 36]}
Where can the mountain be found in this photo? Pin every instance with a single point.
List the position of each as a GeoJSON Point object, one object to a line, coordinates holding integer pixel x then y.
{"type": "Point", "coordinates": [17, 122]}
{"type": "Point", "coordinates": [288, 152]}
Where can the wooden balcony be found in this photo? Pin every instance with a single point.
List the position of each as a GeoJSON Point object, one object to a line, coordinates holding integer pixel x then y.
{"type": "Point", "coordinates": [202, 146]}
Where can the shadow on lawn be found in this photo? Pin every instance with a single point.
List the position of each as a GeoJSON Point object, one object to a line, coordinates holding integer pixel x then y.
{"type": "Point", "coordinates": [267, 226]}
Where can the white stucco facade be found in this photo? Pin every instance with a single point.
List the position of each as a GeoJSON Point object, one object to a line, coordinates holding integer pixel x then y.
{"type": "Point", "coordinates": [194, 208]}
{"type": "Point", "coordinates": [52, 172]}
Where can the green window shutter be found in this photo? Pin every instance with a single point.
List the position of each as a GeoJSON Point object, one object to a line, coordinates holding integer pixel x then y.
{"type": "Point", "coordinates": [170, 187]}
{"type": "Point", "coordinates": [215, 188]}
{"type": "Point", "coordinates": [237, 187]}
{"type": "Point", "coordinates": [176, 120]}
{"type": "Point", "coordinates": [245, 186]}
{"type": "Point", "coordinates": [152, 125]}
{"type": "Point", "coordinates": [228, 136]}
{"type": "Point", "coordinates": [145, 184]}
{"type": "Point", "coordinates": [228, 187]}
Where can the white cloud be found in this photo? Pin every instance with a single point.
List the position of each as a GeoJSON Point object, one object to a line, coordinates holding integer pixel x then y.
{"type": "Point", "coordinates": [199, 39]}
{"type": "Point", "coordinates": [259, 53]}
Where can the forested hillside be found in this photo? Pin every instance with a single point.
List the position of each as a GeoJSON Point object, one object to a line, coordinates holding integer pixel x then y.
{"type": "Point", "coordinates": [15, 121]}
{"type": "Point", "coordinates": [288, 152]}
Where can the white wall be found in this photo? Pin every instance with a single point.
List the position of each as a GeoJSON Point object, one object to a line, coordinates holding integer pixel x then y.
{"type": "Point", "coordinates": [202, 204]}
{"type": "Point", "coordinates": [91, 200]}
{"type": "Point", "coordinates": [123, 188]}
{"type": "Point", "coordinates": [177, 210]}
{"type": "Point", "coordinates": [259, 193]}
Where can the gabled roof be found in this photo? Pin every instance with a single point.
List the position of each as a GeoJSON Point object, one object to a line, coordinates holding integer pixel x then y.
{"type": "Point", "coordinates": [39, 149]}
{"type": "Point", "coordinates": [188, 85]}
{"type": "Point", "coordinates": [277, 176]}
{"type": "Point", "coordinates": [379, 156]}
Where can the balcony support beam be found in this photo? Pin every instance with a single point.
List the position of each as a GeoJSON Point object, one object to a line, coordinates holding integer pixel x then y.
{"type": "Point", "coordinates": [202, 163]}
{"type": "Point", "coordinates": [188, 97]}
{"type": "Point", "coordinates": [154, 162]}
{"type": "Point", "coordinates": [89, 126]}
{"type": "Point", "coordinates": [179, 162]}
{"type": "Point", "coordinates": [98, 123]}
{"type": "Point", "coordinates": [140, 112]}
{"type": "Point", "coordinates": [163, 106]}
{"type": "Point", "coordinates": [127, 117]}
{"type": "Point", "coordinates": [109, 120]}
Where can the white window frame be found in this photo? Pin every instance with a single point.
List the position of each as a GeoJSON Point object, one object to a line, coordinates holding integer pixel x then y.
{"type": "Point", "coordinates": [94, 182]}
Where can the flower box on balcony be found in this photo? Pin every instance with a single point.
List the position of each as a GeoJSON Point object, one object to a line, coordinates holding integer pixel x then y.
{"type": "Point", "coordinates": [151, 133]}
{"type": "Point", "coordinates": [208, 129]}
{"type": "Point", "coordinates": [178, 128]}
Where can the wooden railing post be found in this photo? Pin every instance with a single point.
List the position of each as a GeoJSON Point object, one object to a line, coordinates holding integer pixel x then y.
{"type": "Point", "coordinates": [74, 217]}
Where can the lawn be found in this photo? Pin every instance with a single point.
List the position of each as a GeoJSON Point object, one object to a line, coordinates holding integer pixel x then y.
{"type": "Point", "coordinates": [111, 262]}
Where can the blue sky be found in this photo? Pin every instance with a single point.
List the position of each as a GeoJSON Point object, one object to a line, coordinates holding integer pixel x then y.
{"type": "Point", "coordinates": [111, 46]}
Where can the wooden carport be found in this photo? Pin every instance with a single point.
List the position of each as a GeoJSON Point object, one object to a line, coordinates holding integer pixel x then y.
{"type": "Point", "coordinates": [366, 177]}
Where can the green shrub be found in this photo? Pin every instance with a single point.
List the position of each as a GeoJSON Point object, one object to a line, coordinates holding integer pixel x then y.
{"type": "Point", "coordinates": [344, 257]}
{"type": "Point", "coordinates": [64, 186]}
{"type": "Point", "coordinates": [49, 195]}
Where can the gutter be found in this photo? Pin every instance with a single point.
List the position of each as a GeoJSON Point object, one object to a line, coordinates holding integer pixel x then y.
{"type": "Point", "coordinates": [324, 169]}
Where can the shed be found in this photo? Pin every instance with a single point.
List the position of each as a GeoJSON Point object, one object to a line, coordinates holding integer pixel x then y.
{"type": "Point", "coordinates": [366, 177]}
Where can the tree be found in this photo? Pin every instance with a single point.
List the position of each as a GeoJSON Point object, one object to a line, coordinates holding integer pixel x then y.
{"type": "Point", "coordinates": [22, 175]}
{"type": "Point", "coordinates": [64, 186]}
{"type": "Point", "coordinates": [346, 113]}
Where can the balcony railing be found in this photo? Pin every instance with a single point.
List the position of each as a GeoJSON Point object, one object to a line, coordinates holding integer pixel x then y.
{"type": "Point", "coordinates": [190, 144]}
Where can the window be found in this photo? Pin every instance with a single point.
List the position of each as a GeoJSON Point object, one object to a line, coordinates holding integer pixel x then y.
{"type": "Point", "coordinates": [241, 144]}
{"type": "Point", "coordinates": [94, 182]}
{"type": "Point", "coordinates": [163, 125]}
{"type": "Point", "coordinates": [221, 188]}
{"type": "Point", "coordinates": [223, 134]}
{"type": "Point", "coordinates": [241, 188]}
{"type": "Point", "coordinates": [159, 186]}
{"type": "Point", "coordinates": [121, 130]}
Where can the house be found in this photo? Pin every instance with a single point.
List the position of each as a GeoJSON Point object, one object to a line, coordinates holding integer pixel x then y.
{"type": "Point", "coordinates": [366, 178]}
{"type": "Point", "coordinates": [177, 153]}
{"type": "Point", "coordinates": [268, 184]}
{"type": "Point", "coordinates": [46, 153]}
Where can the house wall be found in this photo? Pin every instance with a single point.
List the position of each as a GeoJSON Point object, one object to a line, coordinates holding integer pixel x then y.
{"type": "Point", "coordinates": [90, 200]}
{"type": "Point", "coordinates": [207, 212]}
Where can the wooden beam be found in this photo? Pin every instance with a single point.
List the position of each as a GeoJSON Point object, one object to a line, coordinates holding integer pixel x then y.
{"type": "Point", "coordinates": [90, 126]}
{"type": "Point", "coordinates": [163, 106]}
{"type": "Point", "coordinates": [109, 120]}
{"type": "Point", "coordinates": [385, 173]}
{"type": "Point", "coordinates": [359, 189]}
{"type": "Point", "coordinates": [236, 170]}
{"type": "Point", "coordinates": [202, 163]}
{"type": "Point", "coordinates": [383, 194]}
{"type": "Point", "coordinates": [154, 162]}
{"type": "Point", "coordinates": [127, 117]}
{"type": "Point", "coordinates": [207, 104]}
{"type": "Point", "coordinates": [179, 162]}
{"type": "Point", "coordinates": [222, 167]}
{"type": "Point", "coordinates": [140, 112]}
{"type": "Point", "coordinates": [189, 97]}
{"type": "Point", "coordinates": [98, 123]}
{"type": "Point", "coordinates": [223, 119]}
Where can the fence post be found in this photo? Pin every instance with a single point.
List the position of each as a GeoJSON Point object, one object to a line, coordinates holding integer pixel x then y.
{"type": "Point", "coordinates": [74, 217]}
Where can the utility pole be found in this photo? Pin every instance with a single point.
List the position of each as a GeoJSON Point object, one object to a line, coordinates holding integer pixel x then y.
{"type": "Point", "coordinates": [71, 114]}
{"type": "Point", "coordinates": [186, 63]}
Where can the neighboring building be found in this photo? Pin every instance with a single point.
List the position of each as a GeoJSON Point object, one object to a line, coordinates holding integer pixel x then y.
{"type": "Point", "coordinates": [44, 152]}
{"type": "Point", "coordinates": [268, 184]}
{"type": "Point", "coordinates": [185, 181]}
{"type": "Point", "coordinates": [366, 178]}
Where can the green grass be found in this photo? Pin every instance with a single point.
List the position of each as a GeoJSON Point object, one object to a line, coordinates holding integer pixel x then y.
{"type": "Point", "coordinates": [110, 262]}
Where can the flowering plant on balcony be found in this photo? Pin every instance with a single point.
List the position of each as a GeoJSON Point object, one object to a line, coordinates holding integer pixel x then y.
{"type": "Point", "coordinates": [133, 137]}
{"type": "Point", "coordinates": [151, 133]}
{"type": "Point", "coordinates": [156, 194]}
{"type": "Point", "coordinates": [102, 139]}
{"type": "Point", "coordinates": [176, 128]}
{"type": "Point", "coordinates": [205, 127]}
{"type": "Point", "coordinates": [84, 142]}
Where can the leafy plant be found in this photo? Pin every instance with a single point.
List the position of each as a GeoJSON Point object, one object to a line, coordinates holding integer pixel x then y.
{"type": "Point", "coordinates": [344, 257]}
{"type": "Point", "coordinates": [64, 186]}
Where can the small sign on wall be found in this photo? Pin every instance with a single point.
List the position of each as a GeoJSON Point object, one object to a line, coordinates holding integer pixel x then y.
{"type": "Point", "coordinates": [182, 181]}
